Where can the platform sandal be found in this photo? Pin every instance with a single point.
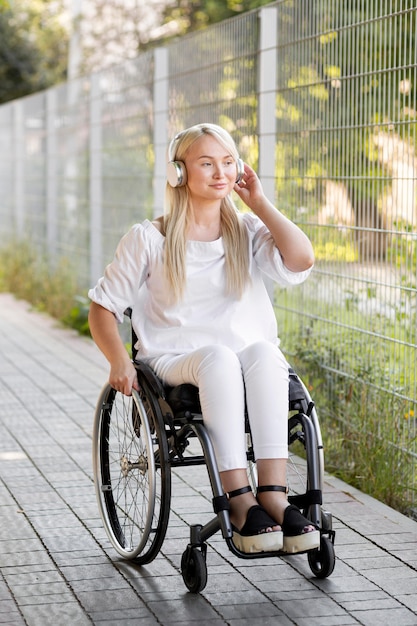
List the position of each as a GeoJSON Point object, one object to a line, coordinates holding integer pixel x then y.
{"type": "Point", "coordinates": [253, 536]}
{"type": "Point", "coordinates": [295, 539]}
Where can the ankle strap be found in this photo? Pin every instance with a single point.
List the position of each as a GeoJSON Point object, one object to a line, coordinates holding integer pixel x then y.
{"type": "Point", "coordinates": [272, 488]}
{"type": "Point", "coordinates": [239, 492]}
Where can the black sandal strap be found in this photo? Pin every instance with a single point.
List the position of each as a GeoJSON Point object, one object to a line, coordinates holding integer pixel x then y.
{"type": "Point", "coordinates": [294, 521]}
{"type": "Point", "coordinates": [263, 488]}
{"type": "Point", "coordinates": [257, 522]}
{"type": "Point", "coordinates": [239, 492]}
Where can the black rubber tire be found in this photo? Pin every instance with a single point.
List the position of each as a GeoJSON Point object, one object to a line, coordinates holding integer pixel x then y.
{"type": "Point", "coordinates": [131, 473]}
{"type": "Point", "coordinates": [323, 560]}
{"type": "Point", "coordinates": [194, 569]}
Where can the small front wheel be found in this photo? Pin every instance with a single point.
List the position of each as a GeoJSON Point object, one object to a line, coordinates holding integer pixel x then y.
{"type": "Point", "coordinates": [322, 561]}
{"type": "Point", "coordinates": [194, 569]}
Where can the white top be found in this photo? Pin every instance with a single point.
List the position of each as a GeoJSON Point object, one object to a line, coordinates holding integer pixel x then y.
{"type": "Point", "coordinates": [206, 315]}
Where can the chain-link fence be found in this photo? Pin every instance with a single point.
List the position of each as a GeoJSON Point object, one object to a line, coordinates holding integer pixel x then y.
{"type": "Point", "coordinates": [321, 99]}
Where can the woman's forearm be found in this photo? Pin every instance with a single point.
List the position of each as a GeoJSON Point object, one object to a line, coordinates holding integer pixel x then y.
{"type": "Point", "coordinates": [293, 244]}
{"type": "Point", "coordinates": [104, 330]}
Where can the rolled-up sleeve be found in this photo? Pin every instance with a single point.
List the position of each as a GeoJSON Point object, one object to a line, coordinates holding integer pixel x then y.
{"type": "Point", "coordinates": [268, 257]}
{"type": "Point", "coordinates": [117, 290]}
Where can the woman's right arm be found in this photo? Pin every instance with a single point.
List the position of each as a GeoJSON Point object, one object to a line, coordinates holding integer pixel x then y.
{"type": "Point", "coordinates": [104, 330]}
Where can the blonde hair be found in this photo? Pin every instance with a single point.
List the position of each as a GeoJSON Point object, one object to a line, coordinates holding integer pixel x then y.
{"type": "Point", "coordinates": [176, 220]}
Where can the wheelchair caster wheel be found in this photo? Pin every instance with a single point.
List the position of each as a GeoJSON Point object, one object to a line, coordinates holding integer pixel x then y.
{"type": "Point", "coordinates": [322, 561]}
{"type": "Point", "coordinates": [194, 569]}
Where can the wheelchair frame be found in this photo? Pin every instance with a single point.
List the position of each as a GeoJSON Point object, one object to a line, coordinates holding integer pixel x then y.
{"type": "Point", "coordinates": [137, 440]}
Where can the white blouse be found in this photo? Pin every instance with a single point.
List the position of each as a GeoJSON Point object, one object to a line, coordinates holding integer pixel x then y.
{"type": "Point", "coordinates": [206, 315]}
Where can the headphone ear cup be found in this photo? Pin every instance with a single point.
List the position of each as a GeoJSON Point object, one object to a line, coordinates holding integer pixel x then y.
{"type": "Point", "coordinates": [176, 174]}
{"type": "Point", "coordinates": [240, 167]}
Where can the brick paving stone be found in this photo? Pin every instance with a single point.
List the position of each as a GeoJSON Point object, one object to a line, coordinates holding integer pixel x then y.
{"type": "Point", "coordinates": [54, 614]}
{"type": "Point", "coordinates": [375, 617]}
{"type": "Point", "coordinates": [278, 619]}
{"type": "Point", "coordinates": [333, 620]}
{"type": "Point", "coordinates": [129, 617]}
{"type": "Point", "coordinates": [58, 566]}
{"type": "Point", "coordinates": [11, 618]}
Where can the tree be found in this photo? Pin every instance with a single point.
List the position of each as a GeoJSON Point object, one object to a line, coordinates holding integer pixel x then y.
{"type": "Point", "coordinates": [111, 31]}
{"type": "Point", "coordinates": [33, 47]}
{"type": "Point", "coordinates": [191, 15]}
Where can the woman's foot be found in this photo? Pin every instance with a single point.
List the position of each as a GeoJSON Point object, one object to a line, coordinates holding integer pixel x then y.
{"type": "Point", "coordinates": [258, 532]}
{"type": "Point", "coordinates": [299, 534]}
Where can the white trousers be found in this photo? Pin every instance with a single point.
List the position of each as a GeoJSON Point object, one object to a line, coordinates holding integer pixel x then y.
{"type": "Point", "coordinates": [224, 378]}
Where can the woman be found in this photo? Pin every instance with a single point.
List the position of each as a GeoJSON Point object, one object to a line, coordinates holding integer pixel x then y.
{"type": "Point", "coordinates": [193, 279]}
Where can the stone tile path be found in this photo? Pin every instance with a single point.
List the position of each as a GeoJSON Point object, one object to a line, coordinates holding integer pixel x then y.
{"type": "Point", "coordinates": [57, 567]}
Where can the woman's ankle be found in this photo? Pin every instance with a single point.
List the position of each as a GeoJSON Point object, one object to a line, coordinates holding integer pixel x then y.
{"type": "Point", "coordinates": [274, 504]}
{"type": "Point", "coordinates": [239, 507]}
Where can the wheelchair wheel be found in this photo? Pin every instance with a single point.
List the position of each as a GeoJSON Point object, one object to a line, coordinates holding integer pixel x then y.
{"type": "Point", "coordinates": [194, 569]}
{"type": "Point", "coordinates": [131, 473]}
{"type": "Point", "coordinates": [322, 561]}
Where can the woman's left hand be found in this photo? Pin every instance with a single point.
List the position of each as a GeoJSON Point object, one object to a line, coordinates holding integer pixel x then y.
{"type": "Point", "coordinates": [249, 189]}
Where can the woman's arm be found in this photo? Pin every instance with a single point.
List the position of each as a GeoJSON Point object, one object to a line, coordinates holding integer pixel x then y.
{"type": "Point", "coordinates": [104, 330]}
{"type": "Point", "coordinates": [294, 245]}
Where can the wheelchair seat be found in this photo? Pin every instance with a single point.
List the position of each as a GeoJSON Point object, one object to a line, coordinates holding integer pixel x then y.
{"type": "Point", "coordinates": [184, 399]}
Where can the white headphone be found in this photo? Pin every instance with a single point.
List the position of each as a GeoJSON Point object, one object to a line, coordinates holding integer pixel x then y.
{"type": "Point", "coordinates": [176, 170]}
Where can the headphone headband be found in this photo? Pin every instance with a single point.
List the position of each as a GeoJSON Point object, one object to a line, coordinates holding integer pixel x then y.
{"type": "Point", "coordinates": [172, 145]}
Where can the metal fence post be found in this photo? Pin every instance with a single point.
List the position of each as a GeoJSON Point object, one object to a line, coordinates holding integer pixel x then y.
{"type": "Point", "coordinates": [266, 98]}
{"type": "Point", "coordinates": [160, 127]}
{"type": "Point", "coordinates": [95, 182]}
{"type": "Point", "coordinates": [51, 181]}
{"type": "Point", "coordinates": [19, 173]}
{"type": "Point", "coordinates": [266, 107]}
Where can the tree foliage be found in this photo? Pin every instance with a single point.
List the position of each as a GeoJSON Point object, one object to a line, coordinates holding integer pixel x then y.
{"type": "Point", "coordinates": [111, 30]}
{"type": "Point", "coordinates": [34, 40]}
{"type": "Point", "coordinates": [192, 15]}
{"type": "Point", "coordinates": [33, 47]}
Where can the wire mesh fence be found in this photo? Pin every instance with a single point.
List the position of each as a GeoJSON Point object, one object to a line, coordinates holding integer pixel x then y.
{"type": "Point", "coordinates": [321, 99]}
{"type": "Point", "coordinates": [346, 110]}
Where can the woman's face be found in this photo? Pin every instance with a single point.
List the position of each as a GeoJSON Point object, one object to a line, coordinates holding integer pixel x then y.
{"type": "Point", "coordinates": [211, 170]}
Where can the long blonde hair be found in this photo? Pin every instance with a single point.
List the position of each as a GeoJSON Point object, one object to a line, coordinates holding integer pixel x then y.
{"type": "Point", "coordinates": [176, 220]}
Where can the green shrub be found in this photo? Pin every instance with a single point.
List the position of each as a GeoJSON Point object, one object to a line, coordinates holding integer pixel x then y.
{"type": "Point", "coordinates": [26, 273]}
{"type": "Point", "coordinates": [366, 431]}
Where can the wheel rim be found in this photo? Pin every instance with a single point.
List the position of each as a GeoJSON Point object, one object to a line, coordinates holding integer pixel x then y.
{"type": "Point", "coordinates": [125, 473]}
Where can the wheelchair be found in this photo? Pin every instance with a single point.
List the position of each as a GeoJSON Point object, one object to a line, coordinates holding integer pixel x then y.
{"type": "Point", "coordinates": [137, 440]}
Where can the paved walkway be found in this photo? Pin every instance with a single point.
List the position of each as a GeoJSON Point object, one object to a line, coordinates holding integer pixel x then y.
{"type": "Point", "coordinates": [58, 569]}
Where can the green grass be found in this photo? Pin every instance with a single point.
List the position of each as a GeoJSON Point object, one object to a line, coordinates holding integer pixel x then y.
{"type": "Point", "coordinates": [28, 276]}
{"type": "Point", "coordinates": [360, 384]}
